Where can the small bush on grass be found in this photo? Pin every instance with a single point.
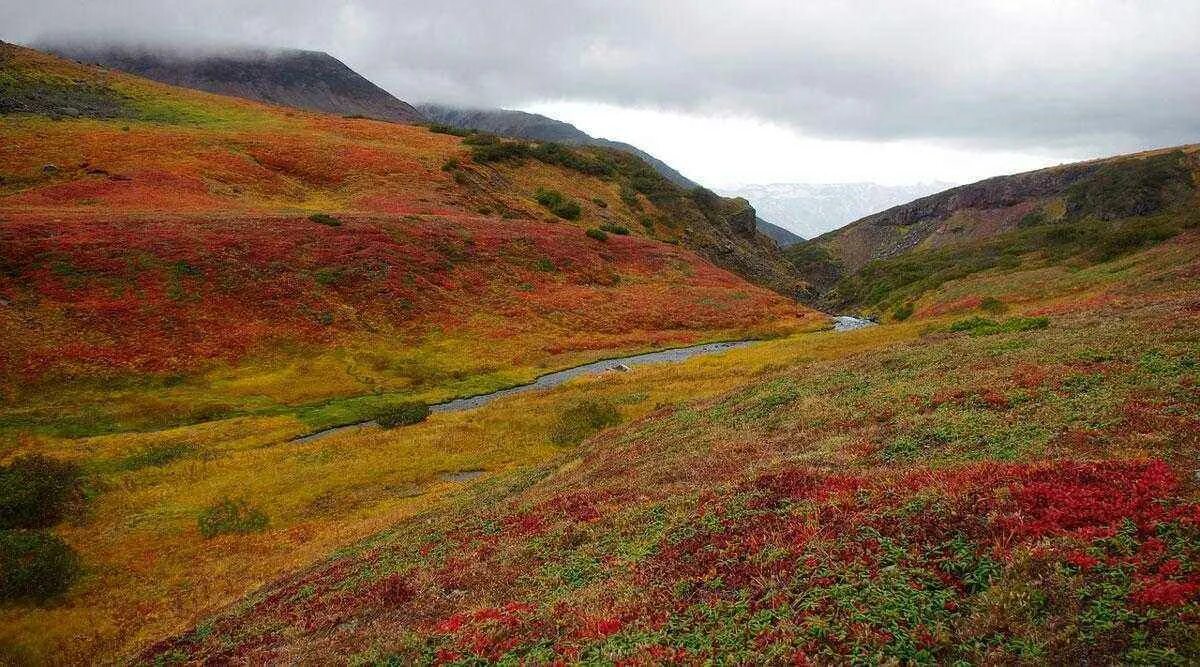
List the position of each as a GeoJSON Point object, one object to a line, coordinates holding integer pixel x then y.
{"type": "Point", "coordinates": [598, 234]}
{"type": "Point", "coordinates": [579, 420]}
{"type": "Point", "coordinates": [983, 326]}
{"type": "Point", "coordinates": [35, 565]}
{"type": "Point", "coordinates": [231, 516]}
{"type": "Point", "coordinates": [325, 219]}
{"type": "Point", "coordinates": [992, 305]}
{"type": "Point", "coordinates": [599, 202]}
{"type": "Point", "coordinates": [35, 491]}
{"type": "Point", "coordinates": [903, 312]}
{"type": "Point", "coordinates": [402, 414]}
{"type": "Point", "coordinates": [619, 230]}
{"type": "Point", "coordinates": [450, 165]}
{"type": "Point", "coordinates": [558, 204]}
{"type": "Point", "coordinates": [449, 129]}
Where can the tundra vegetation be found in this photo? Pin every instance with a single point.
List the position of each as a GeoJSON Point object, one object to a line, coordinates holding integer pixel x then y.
{"type": "Point", "coordinates": [1008, 473]}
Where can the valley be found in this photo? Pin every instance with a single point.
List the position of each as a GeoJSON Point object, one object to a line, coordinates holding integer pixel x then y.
{"type": "Point", "coordinates": [287, 386]}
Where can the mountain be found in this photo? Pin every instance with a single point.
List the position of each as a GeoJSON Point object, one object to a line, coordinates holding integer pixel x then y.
{"type": "Point", "coordinates": [223, 325]}
{"type": "Point", "coordinates": [811, 209]}
{"type": "Point", "coordinates": [174, 259]}
{"type": "Point", "coordinates": [1082, 213]}
{"type": "Point", "coordinates": [537, 127]}
{"type": "Point", "coordinates": [288, 77]}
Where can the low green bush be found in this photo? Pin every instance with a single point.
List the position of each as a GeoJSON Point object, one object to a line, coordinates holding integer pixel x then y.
{"type": "Point", "coordinates": [992, 305]}
{"type": "Point", "coordinates": [903, 312]}
{"type": "Point", "coordinates": [325, 219]}
{"type": "Point", "coordinates": [599, 202]}
{"type": "Point", "coordinates": [450, 165]}
{"type": "Point", "coordinates": [402, 414]}
{"type": "Point", "coordinates": [449, 129]}
{"type": "Point", "coordinates": [558, 204]}
{"type": "Point", "coordinates": [578, 420]}
{"type": "Point", "coordinates": [231, 516]}
{"type": "Point", "coordinates": [36, 490]}
{"type": "Point", "coordinates": [984, 326]}
{"type": "Point", "coordinates": [35, 565]}
{"type": "Point", "coordinates": [598, 234]}
{"type": "Point", "coordinates": [619, 230]}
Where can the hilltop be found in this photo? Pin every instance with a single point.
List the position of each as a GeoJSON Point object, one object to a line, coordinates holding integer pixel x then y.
{"type": "Point", "coordinates": [1074, 214]}
{"type": "Point", "coordinates": [310, 80]}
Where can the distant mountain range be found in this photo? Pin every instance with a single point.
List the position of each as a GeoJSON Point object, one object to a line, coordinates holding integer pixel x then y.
{"type": "Point", "coordinates": [811, 209]}
{"type": "Point", "coordinates": [288, 77]}
{"type": "Point", "coordinates": [537, 127]}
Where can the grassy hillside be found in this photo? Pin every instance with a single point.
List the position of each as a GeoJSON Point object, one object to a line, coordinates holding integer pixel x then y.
{"type": "Point", "coordinates": [189, 281]}
{"type": "Point", "coordinates": [939, 490]}
{"type": "Point", "coordinates": [172, 256]}
{"type": "Point", "coordinates": [1074, 215]}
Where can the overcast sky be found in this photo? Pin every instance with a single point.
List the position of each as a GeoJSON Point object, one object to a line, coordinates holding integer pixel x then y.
{"type": "Point", "coordinates": [743, 91]}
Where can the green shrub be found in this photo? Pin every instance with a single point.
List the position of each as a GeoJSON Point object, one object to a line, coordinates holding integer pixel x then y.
{"type": "Point", "coordinates": [629, 197]}
{"type": "Point", "coordinates": [903, 312]}
{"type": "Point", "coordinates": [449, 129]}
{"type": "Point", "coordinates": [35, 491]}
{"type": "Point", "coordinates": [402, 414]}
{"type": "Point", "coordinates": [992, 305]}
{"type": "Point", "coordinates": [599, 202]}
{"type": "Point", "coordinates": [325, 219]}
{"type": "Point", "coordinates": [647, 222]}
{"type": "Point", "coordinates": [35, 565]}
{"type": "Point", "coordinates": [1032, 219]}
{"type": "Point", "coordinates": [450, 165]}
{"type": "Point", "coordinates": [598, 234]}
{"type": "Point", "coordinates": [619, 230]}
{"type": "Point", "coordinates": [155, 456]}
{"type": "Point", "coordinates": [558, 204]}
{"type": "Point", "coordinates": [231, 516]}
{"type": "Point", "coordinates": [983, 326]}
{"type": "Point", "coordinates": [581, 419]}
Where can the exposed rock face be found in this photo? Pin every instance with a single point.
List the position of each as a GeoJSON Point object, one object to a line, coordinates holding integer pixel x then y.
{"type": "Point", "coordinates": [303, 79]}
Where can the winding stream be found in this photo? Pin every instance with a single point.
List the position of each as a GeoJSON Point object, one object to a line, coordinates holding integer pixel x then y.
{"type": "Point", "coordinates": [618, 364]}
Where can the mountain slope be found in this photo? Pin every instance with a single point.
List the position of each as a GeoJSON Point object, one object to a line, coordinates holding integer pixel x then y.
{"type": "Point", "coordinates": [288, 77]}
{"type": "Point", "coordinates": [188, 282]}
{"type": "Point", "coordinates": [812, 209]}
{"type": "Point", "coordinates": [524, 125]}
{"type": "Point", "coordinates": [537, 127]}
{"type": "Point", "coordinates": [1080, 213]}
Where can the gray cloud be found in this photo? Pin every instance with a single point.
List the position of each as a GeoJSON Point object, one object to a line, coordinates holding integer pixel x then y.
{"type": "Point", "coordinates": [1086, 77]}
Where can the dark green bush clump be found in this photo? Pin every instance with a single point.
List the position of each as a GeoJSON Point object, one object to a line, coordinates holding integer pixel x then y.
{"type": "Point", "coordinates": [402, 414]}
{"type": "Point", "coordinates": [449, 129]}
{"type": "Point", "coordinates": [619, 230]}
{"type": "Point", "coordinates": [983, 326]}
{"type": "Point", "coordinates": [558, 204]}
{"type": "Point", "coordinates": [598, 234]}
{"type": "Point", "coordinates": [35, 565]}
{"type": "Point", "coordinates": [35, 491]}
{"type": "Point", "coordinates": [1032, 219]}
{"type": "Point", "coordinates": [599, 202]}
{"type": "Point", "coordinates": [156, 456]}
{"type": "Point", "coordinates": [903, 312]}
{"type": "Point", "coordinates": [325, 219]}
{"type": "Point", "coordinates": [579, 420]}
{"type": "Point", "coordinates": [450, 165]}
{"type": "Point", "coordinates": [231, 516]}
{"type": "Point", "coordinates": [992, 305]}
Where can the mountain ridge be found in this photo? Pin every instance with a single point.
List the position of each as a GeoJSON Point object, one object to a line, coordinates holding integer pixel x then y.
{"type": "Point", "coordinates": [311, 80]}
